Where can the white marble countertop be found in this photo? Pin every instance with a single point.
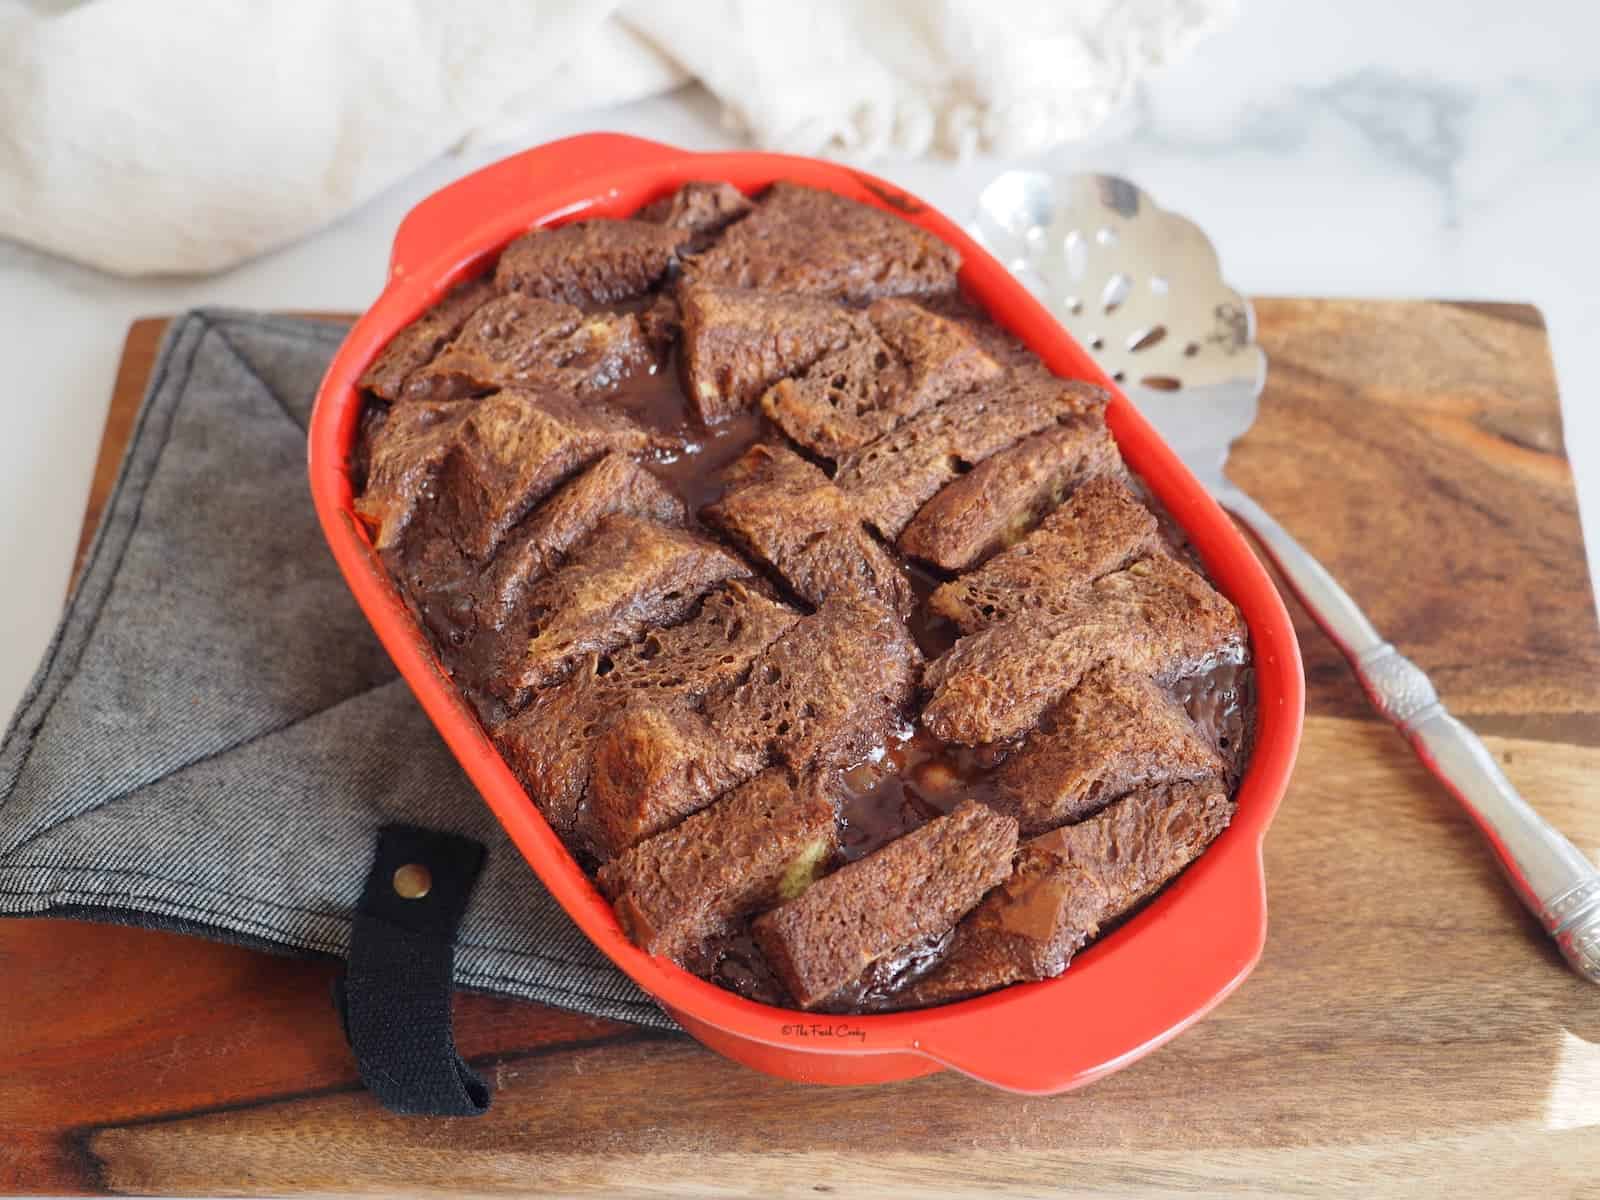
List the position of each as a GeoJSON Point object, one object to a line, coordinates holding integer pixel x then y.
{"type": "Point", "coordinates": [1360, 148]}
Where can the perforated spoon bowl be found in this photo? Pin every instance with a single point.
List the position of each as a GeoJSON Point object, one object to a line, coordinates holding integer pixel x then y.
{"type": "Point", "coordinates": [1142, 289]}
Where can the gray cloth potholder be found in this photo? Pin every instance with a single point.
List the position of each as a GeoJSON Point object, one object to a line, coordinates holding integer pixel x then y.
{"type": "Point", "coordinates": [215, 735]}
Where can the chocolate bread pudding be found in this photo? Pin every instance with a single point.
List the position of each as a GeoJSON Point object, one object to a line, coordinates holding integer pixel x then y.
{"type": "Point", "coordinates": [823, 623]}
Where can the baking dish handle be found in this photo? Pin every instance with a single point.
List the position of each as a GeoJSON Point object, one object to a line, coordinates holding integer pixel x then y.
{"type": "Point", "coordinates": [432, 226]}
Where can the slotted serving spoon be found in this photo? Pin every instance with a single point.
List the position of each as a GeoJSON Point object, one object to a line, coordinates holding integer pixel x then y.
{"type": "Point", "coordinates": [1142, 289]}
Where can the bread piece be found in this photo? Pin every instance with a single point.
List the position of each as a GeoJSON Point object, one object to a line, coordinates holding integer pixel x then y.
{"type": "Point", "coordinates": [831, 689]}
{"type": "Point", "coordinates": [737, 343]}
{"type": "Point", "coordinates": [418, 342]}
{"type": "Point", "coordinates": [590, 262]}
{"type": "Point", "coordinates": [1113, 733]}
{"type": "Point", "coordinates": [783, 511]}
{"type": "Point", "coordinates": [940, 356]}
{"type": "Point", "coordinates": [1100, 529]}
{"type": "Point", "coordinates": [653, 766]}
{"type": "Point", "coordinates": [996, 503]}
{"type": "Point", "coordinates": [488, 606]}
{"type": "Point", "coordinates": [1071, 882]}
{"type": "Point", "coordinates": [760, 845]}
{"type": "Point", "coordinates": [800, 239]}
{"type": "Point", "coordinates": [992, 338]}
{"type": "Point", "coordinates": [704, 209]}
{"type": "Point", "coordinates": [515, 448]}
{"type": "Point", "coordinates": [542, 542]}
{"type": "Point", "coordinates": [471, 475]}
{"type": "Point", "coordinates": [918, 885]}
{"type": "Point", "coordinates": [519, 341]}
{"type": "Point", "coordinates": [891, 478]}
{"type": "Point", "coordinates": [704, 655]}
{"type": "Point", "coordinates": [404, 459]}
{"type": "Point", "coordinates": [856, 394]}
{"type": "Point", "coordinates": [1156, 618]}
{"type": "Point", "coordinates": [631, 575]}
{"type": "Point", "coordinates": [549, 743]}
{"type": "Point", "coordinates": [1174, 621]}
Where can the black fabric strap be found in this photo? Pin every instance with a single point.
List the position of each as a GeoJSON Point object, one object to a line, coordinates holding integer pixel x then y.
{"type": "Point", "coordinates": [394, 996]}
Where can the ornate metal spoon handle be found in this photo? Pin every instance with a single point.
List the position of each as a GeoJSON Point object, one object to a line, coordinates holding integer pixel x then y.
{"type": "Point", "coordinates": [1558, 884]}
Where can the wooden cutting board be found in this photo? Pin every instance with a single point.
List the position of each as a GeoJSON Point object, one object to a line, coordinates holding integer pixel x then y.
{"type": "Point", "coordinates": [1408, 1020]}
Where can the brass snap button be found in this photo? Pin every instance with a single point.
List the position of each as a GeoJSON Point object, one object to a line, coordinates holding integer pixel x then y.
{"type": "Point", "coordinates": [413, 881]}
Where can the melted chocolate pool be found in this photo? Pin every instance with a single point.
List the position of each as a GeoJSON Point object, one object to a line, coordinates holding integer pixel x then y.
{"type": "Point", "coordinates": [655, 399]}
{"type": "Point", "coordinates": [1221, 701]}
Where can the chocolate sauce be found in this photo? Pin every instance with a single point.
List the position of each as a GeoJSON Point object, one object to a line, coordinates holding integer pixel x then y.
{"type": "Point", "coordinates": [933, 634]}
{"type": "Point", "coordinates": [876, 988]}
{"type": "Point", "coordinates": [911, 782]}
{"type": "Point", "coordinates": [734, 961]}
{"type": "Point", "coordinates": [1221, 701]}
{"type": "Point", "coordinates": [654, 397]}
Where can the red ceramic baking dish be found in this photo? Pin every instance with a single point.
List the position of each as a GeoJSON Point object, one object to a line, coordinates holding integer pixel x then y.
{"type": "Point", "coordinates": [1127, 994]}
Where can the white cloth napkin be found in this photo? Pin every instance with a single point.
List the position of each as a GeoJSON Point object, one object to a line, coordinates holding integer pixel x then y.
{"type": "Point", "coordinates": [143, 136]}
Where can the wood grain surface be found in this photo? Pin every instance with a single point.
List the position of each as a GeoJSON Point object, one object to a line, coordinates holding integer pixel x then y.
{"type": "Point", "coordinates": [1408, 1032]}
